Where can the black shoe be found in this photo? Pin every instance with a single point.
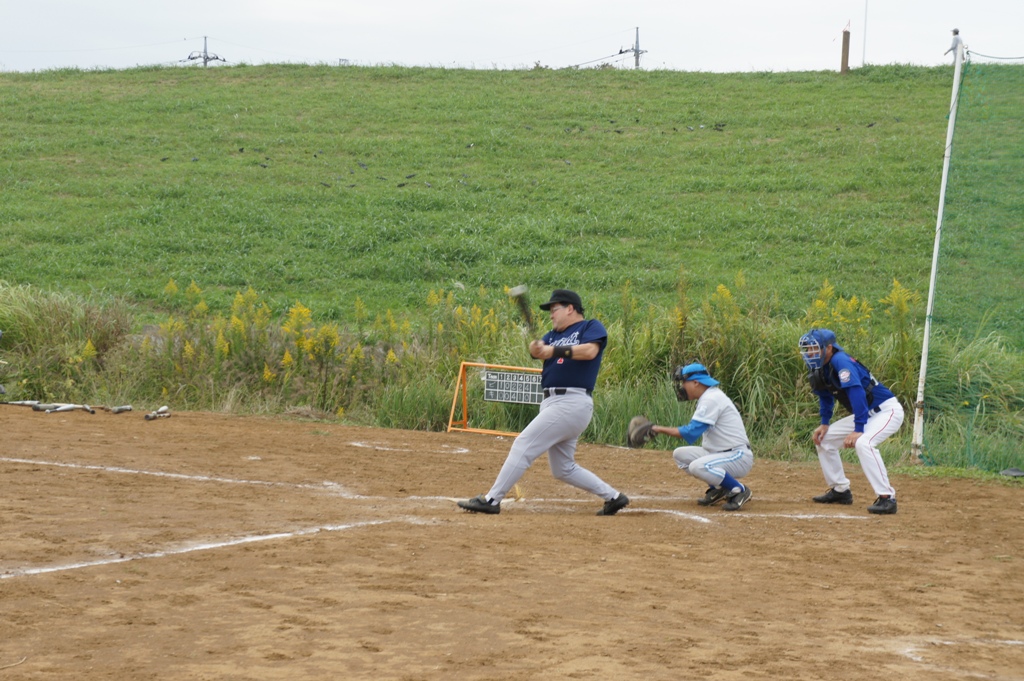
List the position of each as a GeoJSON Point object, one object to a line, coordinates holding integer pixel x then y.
{"type": "Point", "coordinates": [834, 497]}
{"type": "Point", "coordinates": [713, 496]}
{"type": "Point", "coordinates": [738, 499]}
{"type": "Point", "coordinates": [480, 505]}
{"type": "Point", "coordinates": [883, 506]}
{"type": "Point", "coordinates": [615, 505]}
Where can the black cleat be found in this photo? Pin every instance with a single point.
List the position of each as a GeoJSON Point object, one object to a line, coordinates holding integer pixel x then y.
{"type": "Point", "coordinates": [613, 506]}
{"type": "Point", "coordinates": [480, 505]}
{"type": "Point", "coordinates": [883, 506]}
{"type": "Point", "coordinates": [737, 500]}
{"type": "Point", "coordinates": [834, 497]}
{"type": "Point", "coordinates": [713, 496]}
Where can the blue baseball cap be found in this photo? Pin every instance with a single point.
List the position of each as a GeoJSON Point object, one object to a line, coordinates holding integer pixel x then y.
{"type": "Point", "coordinates": [695, 372]}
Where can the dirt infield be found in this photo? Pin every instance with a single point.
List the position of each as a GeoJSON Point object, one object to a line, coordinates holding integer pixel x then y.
{"type": "Point", "coordinates": [206, 546]}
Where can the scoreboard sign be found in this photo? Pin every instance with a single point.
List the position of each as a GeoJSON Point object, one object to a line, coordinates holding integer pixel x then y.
{"type": "Point", "coordinates": [509, 386]}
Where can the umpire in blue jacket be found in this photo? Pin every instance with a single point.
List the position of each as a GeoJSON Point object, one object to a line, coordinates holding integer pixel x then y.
{"type": "Point", "coordinates": [875, 414]}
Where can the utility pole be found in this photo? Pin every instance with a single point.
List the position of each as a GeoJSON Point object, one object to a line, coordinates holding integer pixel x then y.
{"type": "Point", "coordinates": [845, 63]}
{"type": "Point", "coordinates": [636, 49]}
{"type": "Point", "coordinates": [205, 55]}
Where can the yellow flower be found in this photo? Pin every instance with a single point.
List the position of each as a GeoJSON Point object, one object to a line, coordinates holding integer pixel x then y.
{"type": "Point", "coordinates": [287, 360]}
{"type": "Point", "coordinates": [679, 319]}
{"type": "Point", "coordinates": [237, 325]}
{"type": "Point", "coordinates": [433, 300]}
{"type": "Point", "coordinates": [268, 375]}
{"type": "Point", "coordinates": [299, 319]}
{"type": "Point", "coordinates": [223, 346]}
{"type": "Point", "coordinates": [89, 351]}
{"type": "Point", "coordinates": [899, 299]}
{"type": "Point", "coordinates": [262, 317]}
{"type": "Point", "coordinates": [193, 291]}
{"type": "Point", "coordinates": [190, 351]}
{"type": "Point", "coordinates": [172, 326]}
{"type": "Point", "coordinates": [244, 304]}
{"type": "Point", "coordinates": [392, 358]}
{"type": "Point", "coordinates": [171, 289]}
{"type": "Point", "coordinates": [326, 339]}
{"type": "Point", "coordinates": [340, 412]}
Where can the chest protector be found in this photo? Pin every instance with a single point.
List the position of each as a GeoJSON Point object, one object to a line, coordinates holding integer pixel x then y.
{"type": "Point", "coordinates": [825, 378]}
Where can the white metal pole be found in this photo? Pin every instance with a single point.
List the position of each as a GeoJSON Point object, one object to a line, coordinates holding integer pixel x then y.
{"type": "Point", "coordinates": [864, 53]}
{"type": "Point", "coordinates": [918, 440]}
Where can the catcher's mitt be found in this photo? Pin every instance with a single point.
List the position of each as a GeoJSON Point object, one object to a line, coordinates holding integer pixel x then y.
{"type": "Point", "coordinates": [640, 431]}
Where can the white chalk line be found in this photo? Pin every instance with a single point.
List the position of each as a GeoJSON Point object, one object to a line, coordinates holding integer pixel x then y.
{"type": "Point", "coordinates": [679, 514]}
{"type": "Point", "coordinates": [339, 490]}
{"type": "Point", "coordinates": [334, 488]}
{"type": "Point", "coordinates": [382, 448]}
{"type": "Point", "coordinates": [191, 548]}
{"type": "Point", "coordinates": [915, 652]}
{"type": "Point", "coordinates": [327, 485]}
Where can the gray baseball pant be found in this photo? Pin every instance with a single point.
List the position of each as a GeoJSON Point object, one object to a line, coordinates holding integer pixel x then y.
{"type": "Point", "coordinates": [712, 467]}
{"type": "Point", "coordinates": [555, 430]}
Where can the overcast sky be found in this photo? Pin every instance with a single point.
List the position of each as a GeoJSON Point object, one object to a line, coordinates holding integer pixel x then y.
{"type": "Point", "coordinates": [714, 35]}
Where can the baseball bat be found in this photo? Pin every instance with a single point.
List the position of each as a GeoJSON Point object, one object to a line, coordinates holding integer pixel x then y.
{"type": "Point", "coordinates": [54, 407]}
{"type": "Point", "coordinates": [69, 407]}
{"type": "Point", "coordinates": [115, 410]}
{"type": "Point", "coordinates": [518, 295]}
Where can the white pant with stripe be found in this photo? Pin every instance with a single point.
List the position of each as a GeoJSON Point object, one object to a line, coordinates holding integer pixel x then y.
{"type": "Point", "coordinates": [712, 467]}
{"type": "Point", "coordinates": [881, 424]}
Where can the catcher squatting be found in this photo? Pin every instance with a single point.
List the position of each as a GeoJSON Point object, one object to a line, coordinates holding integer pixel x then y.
{"type": "Point", "coordinates": [572, 353]}
{"type": "Point", "coordinates": [724, 455]}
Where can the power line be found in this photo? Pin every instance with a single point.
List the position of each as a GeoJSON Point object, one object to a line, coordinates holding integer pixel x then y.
{"type": "Point", "coordinates": [988, 56]}
{"type": "Point", "coordinates": [93, 49]}
{"type": "Point", "coordinates": [635, 51]}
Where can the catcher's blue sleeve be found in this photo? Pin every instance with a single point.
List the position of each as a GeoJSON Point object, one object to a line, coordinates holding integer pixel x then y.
{"type": "Point", "coordinates": [692, 431]}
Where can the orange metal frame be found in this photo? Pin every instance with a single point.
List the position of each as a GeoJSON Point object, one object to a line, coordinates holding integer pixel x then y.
{"type": "Point", "coordinates": [460, 388]}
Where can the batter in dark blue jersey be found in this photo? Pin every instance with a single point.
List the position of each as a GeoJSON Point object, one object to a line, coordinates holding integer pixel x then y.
{"type": "Point", "coordinates": [572, 353]}
{"type": "Point", "coordinates": [875, 414]}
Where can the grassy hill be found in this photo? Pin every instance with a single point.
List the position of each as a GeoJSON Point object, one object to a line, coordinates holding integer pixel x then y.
{"type": "Point", "coordinates": [396, 204]}
{"type": "Point", "coordinates": [323, 184]}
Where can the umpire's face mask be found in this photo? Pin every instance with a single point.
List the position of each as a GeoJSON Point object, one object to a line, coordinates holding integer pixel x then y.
{"type": "Point", "coordinates": [680, 386]}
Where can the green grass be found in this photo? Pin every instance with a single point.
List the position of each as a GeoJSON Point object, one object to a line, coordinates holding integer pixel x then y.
{"type": "Point", "coordinates": [393, 202]}
{"type": "Point", "coordinates": [984, 217]}
{"type": "Point", "coordinates": [551, 178]}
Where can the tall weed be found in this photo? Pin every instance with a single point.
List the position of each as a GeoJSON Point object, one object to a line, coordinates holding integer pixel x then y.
{"type": "Point", "coordinates": [392, 373]}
